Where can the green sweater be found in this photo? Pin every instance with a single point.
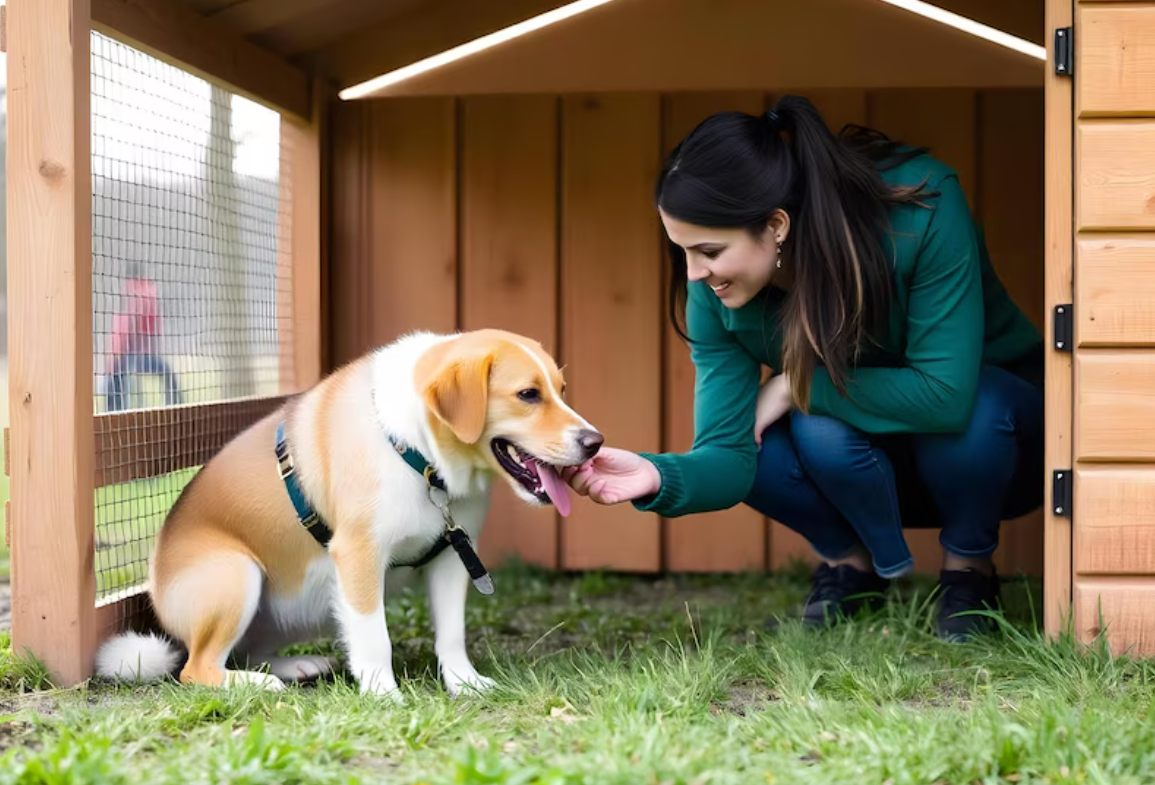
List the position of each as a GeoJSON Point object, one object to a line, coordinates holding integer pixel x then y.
{"type": "Point", "coordinates": [950, 314]}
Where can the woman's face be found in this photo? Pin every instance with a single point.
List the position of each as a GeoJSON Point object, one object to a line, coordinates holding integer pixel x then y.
{"type": "Point", "coordinates": [733, 262]}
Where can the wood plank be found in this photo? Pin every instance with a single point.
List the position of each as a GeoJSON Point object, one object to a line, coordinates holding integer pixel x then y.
{"type": "Point", "coordinates": [1116, 186]}
{"type": "Point", "coordinates": [50, 341]}
{"type": "Point", "coordinates": [1058, 382]}
{"type": "Point", "coordinates": [946, 122]}
{"type": "Point", "coordinates": [151, 442]}
{"type": "Point", "coordinates": [412, 183]}
{"type": "Point", "coordinates": [509, 268]}
{"type": "Point", "coordinates": [1115, 290]}
{"type": "Point", "coordinates": [611, 329]}
{"type": "Point", "coordinates": [1121, 608]}
{"type": "Point", "coordinates": [299, 236]}
{"type": "Point", "coordinates": [1116, 405]}
{"type": "Point", "coordinates": [349, 277]}
{"type": "Point", "coordinates": [1115, 534]}
{"type": "Point", "coordinates": [728, 540]}
{"type": "Point", "coordinates": [1115, 52]}
{"type": "Point", "coordinates": [176, 34]}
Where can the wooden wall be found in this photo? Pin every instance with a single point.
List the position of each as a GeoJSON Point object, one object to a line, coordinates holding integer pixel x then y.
{"type": "Point", "coordinates": [1114, 299]}
{"type": "Point", "coordinates": [534, 213]}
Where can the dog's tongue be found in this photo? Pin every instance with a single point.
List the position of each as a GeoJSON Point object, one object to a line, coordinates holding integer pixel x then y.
{"type": "Point", "coordinates": [554, 487]}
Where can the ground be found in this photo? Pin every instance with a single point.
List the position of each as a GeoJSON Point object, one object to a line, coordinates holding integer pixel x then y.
{"type": "Point", "coordinates": [606, 679]}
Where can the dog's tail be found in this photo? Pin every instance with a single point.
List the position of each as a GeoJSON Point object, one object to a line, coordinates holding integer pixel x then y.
{"type": "Point", "coordinates": [137, 658]}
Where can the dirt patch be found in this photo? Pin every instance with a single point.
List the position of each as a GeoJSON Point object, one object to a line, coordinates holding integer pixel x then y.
{"type": "Point", "coordinates": [745, 698]}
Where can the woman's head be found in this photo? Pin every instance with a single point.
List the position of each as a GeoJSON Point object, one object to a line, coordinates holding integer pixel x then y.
{"type": "Point", "coordinates": [750, 201]}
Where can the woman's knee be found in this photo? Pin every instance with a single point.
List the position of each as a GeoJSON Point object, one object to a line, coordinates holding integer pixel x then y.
{"type": "Point", "coordinates": [1004, 409]}
{"type": "Point", "coordinates": [826, 444]}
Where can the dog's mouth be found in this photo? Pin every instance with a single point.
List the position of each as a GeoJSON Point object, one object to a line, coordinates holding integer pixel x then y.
{"type": "Point", "coordinates": [533, 474]}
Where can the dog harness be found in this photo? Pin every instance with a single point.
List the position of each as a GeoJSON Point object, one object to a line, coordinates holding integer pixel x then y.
{"type": "Point", "coordinates": [453, 535]}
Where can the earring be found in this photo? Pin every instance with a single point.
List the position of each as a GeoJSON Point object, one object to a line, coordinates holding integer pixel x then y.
{"type": "Point", "coordinates": [779, 263]}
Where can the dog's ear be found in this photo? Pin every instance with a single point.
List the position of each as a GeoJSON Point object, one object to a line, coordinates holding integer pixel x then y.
{"type": "Point", "coordinates": [456, 390]}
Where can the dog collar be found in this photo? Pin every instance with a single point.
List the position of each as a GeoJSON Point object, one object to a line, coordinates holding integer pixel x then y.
{"type": "Point", "coordinates": [419, 463]}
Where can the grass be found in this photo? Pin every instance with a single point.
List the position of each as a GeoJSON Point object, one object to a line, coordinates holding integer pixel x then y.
{"type": "Point", "coordinates": [607, 679]}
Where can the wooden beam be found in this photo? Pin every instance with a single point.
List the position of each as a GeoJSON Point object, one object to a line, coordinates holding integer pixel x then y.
{"type": "Point", "coordinates": [50, 345]}
{"type": "Point", "coordinates": [1058, 273]}
{"type": "Point", "coordinates": [173, 32]}
{"type": "Point", "coordinates": [151, 442]}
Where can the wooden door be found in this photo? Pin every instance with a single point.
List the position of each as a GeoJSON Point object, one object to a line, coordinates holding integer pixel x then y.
{"type": "Point", "coordinates": [1113, 299]}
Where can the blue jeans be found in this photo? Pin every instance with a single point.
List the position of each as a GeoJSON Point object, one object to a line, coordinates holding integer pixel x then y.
{"type": "Point", "coordinates": [142, 364]}
{"type": "Point", "coordinates": [843, 489]}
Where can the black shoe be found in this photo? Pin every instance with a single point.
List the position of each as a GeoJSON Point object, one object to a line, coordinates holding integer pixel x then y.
{"type": "Point", "coordinates": [962, 591]}
{"type": "Point", "coordinates": [840, 592]}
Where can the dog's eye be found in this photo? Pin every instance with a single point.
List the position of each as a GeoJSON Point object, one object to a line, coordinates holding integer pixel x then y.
{"type": "Point", "coordinates": [530, 396]}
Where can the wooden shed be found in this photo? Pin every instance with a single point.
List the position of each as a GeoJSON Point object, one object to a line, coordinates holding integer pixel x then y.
{"type": "Point", "coordinates": [511, 186]}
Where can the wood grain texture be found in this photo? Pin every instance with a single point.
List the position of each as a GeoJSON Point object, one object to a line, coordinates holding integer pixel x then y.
{"type": "Point", "coordinates": [1115, 417]}
{"type": "Point", "coordinates": [1120, 608]}
{"type": "Point", "coordinates": [50, 344]}
{"type": "Point", "coordinates": [1116, 185]}
{"type": "Point", "coordinates": [611, 328]}
{"type": "Point", "coordinates": [1115, 52]}
{"type": "Point", "coordinates": [351, 319]}
{"type": "Point", "coordinates": [412, 217]}
{"type": "Point", "coordinates": [1115, 290]}
{"type": "Point", "coordinates": [509, 268]}
{"type": "Point", "coordinates": [727, 540]}
{"type": "Point", "coordinates": [1058, 221]}
{"type": "Point", "coordinates": [1116, 529]}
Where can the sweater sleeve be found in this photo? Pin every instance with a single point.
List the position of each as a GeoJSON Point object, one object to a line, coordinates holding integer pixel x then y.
{"type": "Point", "coordinates": [718, 471]}
{"type": "Point", "coordinates": [934, 391]}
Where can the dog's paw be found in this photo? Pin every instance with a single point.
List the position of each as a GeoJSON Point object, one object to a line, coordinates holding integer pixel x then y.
{"type": "Point", "coordinates": [300, 669]}
{"type": "Point", "coordinates": [465, 682]}
{"type": "Point", "coordinates": [265, 680]}
{"type": "Point", "coordinates": [381, 683]}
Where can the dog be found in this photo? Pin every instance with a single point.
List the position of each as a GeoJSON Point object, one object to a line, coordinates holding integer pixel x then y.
{"type": "Point", "coordinates": [287, 533]}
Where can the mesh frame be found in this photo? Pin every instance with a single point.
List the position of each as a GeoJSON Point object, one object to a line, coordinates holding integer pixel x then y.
{"type": "Point", "coordinates": [192, 289]}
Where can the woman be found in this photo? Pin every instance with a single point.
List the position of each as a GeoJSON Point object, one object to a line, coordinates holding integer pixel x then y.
{"type": "Point", "coordinates": [907, 385]}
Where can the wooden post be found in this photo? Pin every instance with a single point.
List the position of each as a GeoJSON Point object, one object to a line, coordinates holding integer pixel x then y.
{"type": "Point", "coordinates": [50, 327]}
{"type": "Point", "coordinates": [1059, 381]}
{"type": "Point", "coordinates": [301, 246]}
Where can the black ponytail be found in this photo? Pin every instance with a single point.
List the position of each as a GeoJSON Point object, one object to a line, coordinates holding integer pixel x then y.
{"type": "Point", "coordinates": [734, 170]}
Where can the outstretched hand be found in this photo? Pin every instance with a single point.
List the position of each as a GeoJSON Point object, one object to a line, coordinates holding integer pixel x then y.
{"type": "Point", "coordinates": [614, 476]}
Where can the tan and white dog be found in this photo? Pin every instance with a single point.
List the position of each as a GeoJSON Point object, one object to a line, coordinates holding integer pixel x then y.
{"type": "Point", "coordinates": [236, 573]}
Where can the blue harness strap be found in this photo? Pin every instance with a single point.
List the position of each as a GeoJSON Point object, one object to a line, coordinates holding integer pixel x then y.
{"type": "Point", "coordinates": [312, 522]}
{"type": "Point", "coordinates": [306, 515]}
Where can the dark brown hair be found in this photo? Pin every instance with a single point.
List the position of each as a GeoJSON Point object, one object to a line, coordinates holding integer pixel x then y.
{"type": "Point", "coordinates": [735, 169]}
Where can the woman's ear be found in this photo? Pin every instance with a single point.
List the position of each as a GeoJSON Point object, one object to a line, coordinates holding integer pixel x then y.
{"type": "Point", "coordinates": [778, 226]}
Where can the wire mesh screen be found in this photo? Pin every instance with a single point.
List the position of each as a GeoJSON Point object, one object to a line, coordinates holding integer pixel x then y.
{"type": "Point", "coordinates": [190, 286]}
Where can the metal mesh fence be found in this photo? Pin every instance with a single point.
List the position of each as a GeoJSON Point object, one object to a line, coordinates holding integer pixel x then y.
{"type": "Point", "coordinates": [190, 286]}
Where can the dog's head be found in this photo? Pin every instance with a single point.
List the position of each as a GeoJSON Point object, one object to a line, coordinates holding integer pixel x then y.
{"type": "Point", "coordinates": [498, 397]}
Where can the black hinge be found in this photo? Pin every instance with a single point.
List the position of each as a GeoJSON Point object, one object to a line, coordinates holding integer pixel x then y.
{"type": "Point", "coordinates": [1064, 52]}
{"type": "Point", "coordinates": [1064, 327]}
{"type": "Point", "coordinates": [1061, 493]}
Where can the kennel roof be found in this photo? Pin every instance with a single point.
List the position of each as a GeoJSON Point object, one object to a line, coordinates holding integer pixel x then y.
{"type": "Point", "coordinates": [666, 45]}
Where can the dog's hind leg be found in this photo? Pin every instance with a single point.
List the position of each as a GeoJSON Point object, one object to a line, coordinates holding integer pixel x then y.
{"type": "Point", "coordinates": [209, 605]}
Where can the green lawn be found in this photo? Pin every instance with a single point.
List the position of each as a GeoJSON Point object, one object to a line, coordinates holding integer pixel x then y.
{"type": "Point", "coordinates": [613, 680]}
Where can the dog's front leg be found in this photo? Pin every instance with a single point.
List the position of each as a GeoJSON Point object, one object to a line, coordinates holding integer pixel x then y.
{"type": "Point", "coordinates": [448, 582]}
{"type": "Point", "coordinates": [360, 609]}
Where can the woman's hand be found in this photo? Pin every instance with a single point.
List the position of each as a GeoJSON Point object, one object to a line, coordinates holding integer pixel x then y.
{"type": "Point", "coordinates": [774, 400]}
{"type": "Point", "coordinates": [614, 476]}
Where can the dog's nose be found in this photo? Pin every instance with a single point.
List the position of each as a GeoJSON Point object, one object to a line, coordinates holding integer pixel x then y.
{"type": "Point", "coordinates": [591, 442]}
